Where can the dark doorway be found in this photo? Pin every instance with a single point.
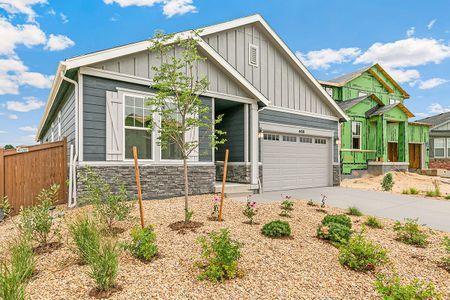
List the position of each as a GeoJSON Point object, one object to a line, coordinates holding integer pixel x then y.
{"type": "Point", "coordinates": [393, 152]}
{"type": "Point", "coordinates": [415, 151]}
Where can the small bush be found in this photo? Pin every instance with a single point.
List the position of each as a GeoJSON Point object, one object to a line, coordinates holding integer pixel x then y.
{"type": "Point", "coordinates": [391, 288]}
{"type": "Point", "coordinates": [334, 232]}
{"type": "Point", "coordinates": [410, 233]}
{"type": "Point", "coordinates": [447, 197]}
{"type": "Point", "coordinates": [143, 245]}
{"type": "Point", "coordinates": [388, 182]}
{"type": "Point", "coordinates": [5, 206]}
{"type": "Point", "coordinates": [250, 210]}
{"type": "Point", "coordinates": [276, 228]}
{"type": "Point", "coordinates": [37, 220]}
{"type": "Point", "coordinates": [373, 222]}
{"type": "Point", "coordinates": [413, 191]}
{"type": "Point", "coordinates": [361, 255]}
{"type": "Point", "coordinates": [110, 206]}
{"type": "Point", "coordinates": [221, 255]}
{"type": "Point", "coordinates": [446, 259]}
{"type": "Point", "coordinates": [436, 191]}
{"type": "Point", "coordinates": [286, 206]}
{"type": "Point", "coordinates": [11, 286]}
{"type": "Point", "coordinates": [22, 258]}
{"type": "Point", "coordinates": [87, 236]}
{"type": "Point", "coordinates": [354, 211]}
{"type": "Point", "coordinates": [339, 219]}
{"type": "Point", "coordinates": [104, 265]}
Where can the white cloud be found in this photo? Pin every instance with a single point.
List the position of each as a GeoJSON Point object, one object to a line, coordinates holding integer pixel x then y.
{"type": "Point", "coordinates": [21, 7]}
{"type": "Point", "coordinates": [58, 42]}
{"type": "Point", "coordinates": [12, 117]}
{"type": "Point", "coordinates": [431, 23]}
{"type": "Point", "coordinates": [3, 132]}
{"type": "Point", "coordinates": [322, 59]}
{"type": "Point", "coordinates": [410, 32]}
{"type": "Point", "coordinates": [29, 104]}
{"type": "Point", "coordinates": [51, 12]}
{"type": "Point", "coordinates": [28, 129]}
{"type": "Point", "coordinates": [421, 114]}
{"type": "Point", "coordinates": [64, 18]}
{"type": "Point", "coordinates": [437, 108]}
{"type": "Point", "coordinates": [430, 83]}
{"type": "Point", "coordinates": [170, 7]}
{"type": "Point", "coordinates": [12, 35]}
{"type": "Point", "coordinates": [402, 76]}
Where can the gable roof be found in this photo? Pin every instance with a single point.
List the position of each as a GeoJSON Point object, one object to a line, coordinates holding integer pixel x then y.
{"type": "Point", "coordinates": [345, 105]}
{"type": "Point", "coordinates": [380, 110]}
{"type": "Point", "coordinates": [436, 120]}
{"type": "Point", "coordinates": [344, 79]}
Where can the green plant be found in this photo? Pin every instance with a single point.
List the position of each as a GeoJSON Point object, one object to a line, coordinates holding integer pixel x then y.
{"type": "Point", "coordinates": [388, 182]}
{"type": "Point", "coordinates": [11, 286]}
{"type": "Point", "coordinates": [410, 191]}
{"type": "Point", "coordinates": [276, 228]}
{"type": "Point", "coordinates": [37, 220]}
{"type": "Point", "coordinates": [109, 206]}
{"type": "Point", "coordinates": [188, 214]}
{"type": "Point", "coordinates": [410, 233]}
{"type": "Point", "coordinates": [286, 206]}
{"type": "Point", "coordinates": [361, 255]}
{"type": "Point", "coordinates": [436, 192]}
{"type": "Point", "coordinates": [373, 222]}
{"type": "Point", "coordinates": [339, 219]}
{"type": "Point", "coordinates": [354, 211]}
{"type": "Point", "coordinates": [143, 245]}
{"type": "Point", "coordinates": [446, 259]}
{"type": "Point", "coordinates": [250, 210]}
{"type": "Point", "coordinates": [447, 197]}
{"type": "Point", "coordinates": [391, 288]}
{"type": "Point", "coordinates": [220, 254]}
{"type": "Point", "coordinates": [86, 234]}
{"type": "Point", "coordinates": [22, 258]}
{"type": "Point", "coordinates": [334, 232]}
{"type": "Point", "coordinates": [104, 265]}
{"type": "Point", "coordinates": [5, 206]}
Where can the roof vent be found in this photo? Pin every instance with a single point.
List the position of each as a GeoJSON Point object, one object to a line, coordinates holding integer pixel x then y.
{"type": "Point", "coordinates": [253, 55]}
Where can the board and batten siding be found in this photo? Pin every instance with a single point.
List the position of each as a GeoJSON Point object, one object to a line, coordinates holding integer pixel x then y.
{"type": "Point", "coordinates": [140, 64]}
{"type": "Point", "coordinates": [286, 118]}
{"type": "Point", "coordinates": [276, 76]}
{"type": "Point", "coordinates": [94, 116]}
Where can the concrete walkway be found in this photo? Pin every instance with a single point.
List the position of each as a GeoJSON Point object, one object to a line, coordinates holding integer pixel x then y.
{"type": "Point", "coordinates": [432, 213]}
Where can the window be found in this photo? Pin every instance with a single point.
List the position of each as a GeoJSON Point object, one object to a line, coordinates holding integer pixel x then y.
{"type": "Point", "coordinates": [53, 133]}
{"type": "Point", "coordinates": [360, 94]}
{"type": "Point", "coordinates": [171, 150]}
{"type": "Point", "coordinates": [329, 91]}
{"type": "Point", "coordinates": [136, 128]}
{"type": "Point", "coordinates": [253, 55]}
{"type": "Point", "coordinates": [289, 138]}
{"type": "Point", "coordinates": [59, 126]}
{"type": "Point", "coordinates": [320, 141]}
{"type": "Point", "coordinates": [304, 139]}
{"type": "Point", "coordinates": [356, 135]}
{"type": "Point", "coordinates": [439, 147]}
{"type": "Point", "coordinates": [271, 137]}
{"type": "Point", "coordinates": [448, 147]}
{"type": "Point", "coordinates": [393, 101]}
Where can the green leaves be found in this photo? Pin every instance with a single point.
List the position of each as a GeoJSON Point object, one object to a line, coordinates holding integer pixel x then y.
{"type": "Point", "coordinates": [143, 245]}
{"type": "Point", "coordinates": [276, 229]}
{"type": "Point", "coordinates": [410, 233]}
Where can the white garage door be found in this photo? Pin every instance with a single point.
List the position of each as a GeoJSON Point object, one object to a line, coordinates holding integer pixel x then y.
{"type": "Point", "coordinates": [293, 161]}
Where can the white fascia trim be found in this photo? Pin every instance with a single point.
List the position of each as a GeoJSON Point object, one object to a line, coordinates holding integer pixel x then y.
{"type": "Point", "coordinates": [293, 129]}
{"type": "Point", "coordinates": [439, 125]}
{"type": "Point", "coordinates": [300, 112]}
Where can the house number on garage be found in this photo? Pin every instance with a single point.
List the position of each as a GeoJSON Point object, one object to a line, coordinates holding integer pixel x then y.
{"type": "Point", "coordinates": [301, 131]}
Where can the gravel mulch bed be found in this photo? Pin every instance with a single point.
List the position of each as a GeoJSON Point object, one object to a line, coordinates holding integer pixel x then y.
{"type": "Point", "coordinates": [300, 268]}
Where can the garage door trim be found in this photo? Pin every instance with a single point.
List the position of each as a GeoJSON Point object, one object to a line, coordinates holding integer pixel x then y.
{"type": "Point", "coordinates": [291, 129]}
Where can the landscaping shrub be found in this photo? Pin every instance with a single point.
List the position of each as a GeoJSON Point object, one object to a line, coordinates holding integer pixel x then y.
{"type": "Point", "coordinates": [276, 228]}
{"type": "Point", "coordinates": [388, 182]}
{"type": "Point", "coordinates": [339, 219]}
{"type": "Point", "coordinates": [86, 234]}
{"type": "Point", "coordinates": [22, 258]}
{"type": "Point", "coordinates": [447, 197]}
{"type": "Point", "coordinates": [286, 206]}
{"type": "Point", "coordinates": [104, 265]}
{"type": "Point", "coordinates": [5, 207]}
{"type": "Point", "coordinates": [410, 233]}
{"type": "Point", "coordinates": [391, 288]}
{"type": "Point", "coordinates": [373, 222]}
{"type": "Point", "coordinates": [334, 232]}
{"type": "Point", "coordinates": [143, 245]}
{"type": "Point", "coordinates": [354, 211]}
{"type": "Point", "coordinates": [37, 220]}
{"type": "Point", "coordinates": [446, 259]}
{"type": "Point", "coordinates": [221, 255]}
{"type": "Point", "coordinates": [110, 206]}
{"type": "Point", "coordinates": [361, 255]}
{"type": "Point", "coordinates": [250, 210]}
{"type": "Point", "coordinates": [11, 286]}
{"type": "Point", "coordinates": [436, 192]}
{"type": "Point", "coordinates": [410, 191]}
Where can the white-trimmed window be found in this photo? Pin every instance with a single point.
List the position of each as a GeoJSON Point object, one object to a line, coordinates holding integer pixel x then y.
{"type": "Point", "coordinates": [253, 55]}
{"type": "Point", "coordinates": [289, 138]}
{"type": "Point", "coordinates": [448, 147]}
{"type": "Point", "coordinates": [320, 141]}
{"type": "Point", "coordinates": [136, 131]}
{"type": "Point", "coordinates": [59, 127]}
{"type": "Point", "coordinates": [171, 151]}
{"type": "Point", "coordinates": [304, 139]}
{"type": "Point", "coordinates": [360, 94]}
{"type": "Point", "coordinates": [329, 91]}
{"type": "Point", "coordinates": [439, 147]}
{"type": "Point", "coordinates": [393, 101]}
{"type": "Point", "coordinates": [356, 135]}
{"type": "Point", "coordinates": [271, 137]}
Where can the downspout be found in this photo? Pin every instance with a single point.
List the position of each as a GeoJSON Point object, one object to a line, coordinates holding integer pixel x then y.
{"type": "Point", "coordinates": [74, 159]}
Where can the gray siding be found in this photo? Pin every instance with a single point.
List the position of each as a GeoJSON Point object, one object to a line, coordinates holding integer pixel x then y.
{"type": "Point", "coordinates": [303, 121]}
{"type": "Point", "coordinates": [233, 125]}
{"type": "Point", "coordinates": [94, 116]}
{"type": "Point", "coordinates": [140, 64]}
{"type": "Point", "coordinates": [276, 77]}
{"type": "Point", "coordinates": [445, 126]}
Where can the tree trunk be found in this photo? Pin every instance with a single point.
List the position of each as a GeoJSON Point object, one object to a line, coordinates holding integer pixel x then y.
{"type": "Point", "coordinates": [186, 190]}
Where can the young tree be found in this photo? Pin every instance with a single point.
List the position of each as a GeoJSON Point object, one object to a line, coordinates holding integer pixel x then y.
{"type": "Point", "coordinates": [177, 101]}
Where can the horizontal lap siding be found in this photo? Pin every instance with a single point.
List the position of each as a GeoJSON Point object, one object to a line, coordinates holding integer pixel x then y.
{"type": "Point", "coordinates": [94, 116]}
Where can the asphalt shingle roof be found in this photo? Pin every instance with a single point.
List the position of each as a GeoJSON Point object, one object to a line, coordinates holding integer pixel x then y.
{"type": "Point", "coordinates": [437, 119]}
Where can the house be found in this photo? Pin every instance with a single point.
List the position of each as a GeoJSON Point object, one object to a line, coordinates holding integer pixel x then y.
{"type": "Point", "coordinates": [282, 127]}
{"type": "Point", "coordinates": [378, 138]}
{"type": "Point", "coordinates": [439, 140]}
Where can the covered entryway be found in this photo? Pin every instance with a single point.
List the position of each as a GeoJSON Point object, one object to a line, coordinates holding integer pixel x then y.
{"type": "Point", "coordinates": [295, 161]}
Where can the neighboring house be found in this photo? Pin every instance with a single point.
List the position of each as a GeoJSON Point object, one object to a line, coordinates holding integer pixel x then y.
{"type": "Point", "coordinates": [378, 137]}
{"type": "Point", "coordinates": [282, 127]}
{"type": "Point", "coordinates": [439, 140]}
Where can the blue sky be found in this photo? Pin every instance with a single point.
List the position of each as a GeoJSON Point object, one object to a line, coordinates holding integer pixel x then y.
{"type": "Point", "coordinates": [409, 38]}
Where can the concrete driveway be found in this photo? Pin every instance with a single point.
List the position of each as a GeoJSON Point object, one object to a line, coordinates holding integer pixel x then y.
{"type": "Point", "coordinates": [432, 213]}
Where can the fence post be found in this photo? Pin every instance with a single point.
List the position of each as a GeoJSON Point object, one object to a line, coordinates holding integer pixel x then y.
{"type": "Point", "coordinates": [2, 174]}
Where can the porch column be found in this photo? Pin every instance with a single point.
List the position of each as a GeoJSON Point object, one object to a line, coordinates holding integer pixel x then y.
{"type": "Point", "coordinates": [254, 144]}
{"type": "Point", "coordinates": [382, 138]}
{"type": "Point", "coordinates": [403, 146]}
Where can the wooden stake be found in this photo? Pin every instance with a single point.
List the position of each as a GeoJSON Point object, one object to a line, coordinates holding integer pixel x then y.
{"type": "Point", "coordinates": [224, 179]}
{"type": "Point", "coordinates": [138, 183]}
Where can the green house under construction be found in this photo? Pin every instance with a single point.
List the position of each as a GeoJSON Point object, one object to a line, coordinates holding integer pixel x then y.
{"type": "Point", "coordinates": [378, 138]}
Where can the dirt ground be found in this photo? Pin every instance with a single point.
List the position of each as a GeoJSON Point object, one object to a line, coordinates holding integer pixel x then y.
{"type": "Point", "coordinates": [402, 180]}
{"type": "Point", "coordinates": [304, 267]}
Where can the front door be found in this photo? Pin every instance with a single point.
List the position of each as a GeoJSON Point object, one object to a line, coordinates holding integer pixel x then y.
{"type": "Point", "coordinates": [392, 152]}
{"type": "Point", "coordinates": [415, 151]}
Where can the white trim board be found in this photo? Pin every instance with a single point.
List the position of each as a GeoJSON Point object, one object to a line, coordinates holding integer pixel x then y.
{"type": "Point", "coordinates": [299, 130]}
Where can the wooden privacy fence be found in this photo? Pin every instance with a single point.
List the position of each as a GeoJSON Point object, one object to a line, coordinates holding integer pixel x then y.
{"type": "Point", "coordinates": [24, 172]}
